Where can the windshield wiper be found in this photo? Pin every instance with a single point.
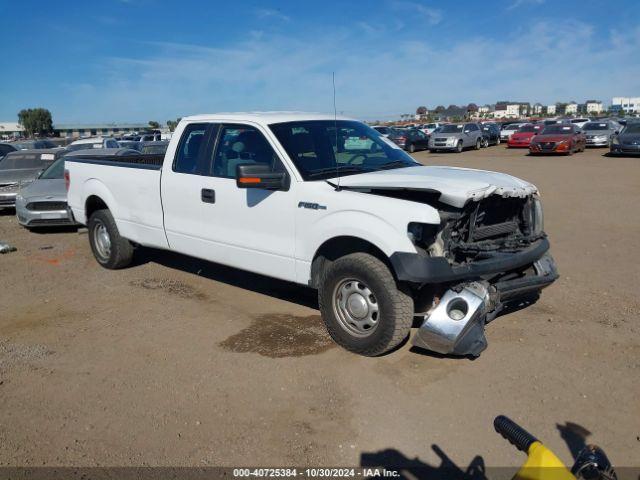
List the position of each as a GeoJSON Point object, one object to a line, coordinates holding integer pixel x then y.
{"type": "Point", "coordinates": [337, 170]}
{"type": "Point", "coordinates": [396, 164]}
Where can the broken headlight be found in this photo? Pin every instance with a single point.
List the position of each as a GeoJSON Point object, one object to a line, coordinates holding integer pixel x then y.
{"type": "Point", "coordinates": [414, 232]}
{"type": "Point", "coordinates": [537, 217]}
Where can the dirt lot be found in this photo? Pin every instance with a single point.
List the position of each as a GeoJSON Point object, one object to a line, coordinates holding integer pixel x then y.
{"type": "Point", "coordinates": [181, 362]}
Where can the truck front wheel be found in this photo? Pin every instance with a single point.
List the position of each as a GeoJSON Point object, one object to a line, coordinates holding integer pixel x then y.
{"type": "Point", "coordinates": [362, 307]}
{"type": "Point", "coordinates": [110, 249]}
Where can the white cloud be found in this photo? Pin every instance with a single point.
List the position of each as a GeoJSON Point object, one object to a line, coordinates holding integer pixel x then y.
{"type": "Point", "coordinates": [521, 3]}
{"type": "Point", "coordinates": [272, 14]}
{"type": "Point", "coordinates": [547, 62]}
{"type": "Point", "coordinates": [432, 16]}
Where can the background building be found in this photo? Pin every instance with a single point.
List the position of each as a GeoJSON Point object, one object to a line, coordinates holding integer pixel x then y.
{"type": "Point", "coordinates": [628, 104]}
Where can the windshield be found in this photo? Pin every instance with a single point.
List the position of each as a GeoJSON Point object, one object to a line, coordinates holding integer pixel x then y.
{"type": "Point", "coordinates": [451, 129]}
{"type": "Point", "coordinates": [55, 170]}
{"type": "Point", "coordinates": [528, 128]}
{"type": "Point", "coordinates": [558, 129]}
{"type": "Point", "coordinates": [83, 146]}
{"type": "Point", "coordinates": [21, 162]}
{"type": "Point", "coordinates": [320, 152]}
{"type": "Point", "coordinates": [383, 130]}
{"type": "Point", "coordinates": [632, 128]}
{"type": "Point", "coordinates": [596, 126]}
{"type": "Point", "coordinates": [511, 127]}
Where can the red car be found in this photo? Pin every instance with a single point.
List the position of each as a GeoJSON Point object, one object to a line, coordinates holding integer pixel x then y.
{"type": "Point", "coordinates": [559, 138]}
{"type": "Point", "coordinates": [522, 138]}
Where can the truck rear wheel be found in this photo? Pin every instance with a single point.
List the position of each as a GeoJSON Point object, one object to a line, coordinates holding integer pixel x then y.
{"type": "Point", "coordinates": [110, 249]}
{"type": "Point", "coordinates": [362, 307]}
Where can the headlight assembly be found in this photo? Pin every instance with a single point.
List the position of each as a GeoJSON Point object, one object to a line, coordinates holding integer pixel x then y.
{"type": "Point", "coordinates": [537, 217]}
{"type": "Point", "coordinates": [615, 141]}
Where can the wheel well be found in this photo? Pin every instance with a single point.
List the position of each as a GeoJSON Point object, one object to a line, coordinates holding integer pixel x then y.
{"type": "Point", "coordinates": [92, 204]}
{"type": "Point", "coordinates": [339, 247]}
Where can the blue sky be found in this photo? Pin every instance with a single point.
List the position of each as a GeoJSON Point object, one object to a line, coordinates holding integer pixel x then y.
{"type": "Point", "coordinates": [139, 60]}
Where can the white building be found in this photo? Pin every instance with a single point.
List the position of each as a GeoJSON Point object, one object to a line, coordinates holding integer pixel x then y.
{"type": "Point", "coordinates": [628, 104]}
{"type": "Point", "coordinates": [571, 108]}
{"type": "Point", "coordinates": [507, 110]}
{"type": "Point", "coordinates": [593, 106]}
{"type": "Point", "coordinates": [10, 129]}
{"type": "Point", "coordinates": [537, 109]}
{"type": "Point", "coordinates": [551, 109]}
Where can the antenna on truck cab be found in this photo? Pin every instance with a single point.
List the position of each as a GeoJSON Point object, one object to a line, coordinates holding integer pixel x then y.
{"type": "Point", "coordinates": [335, 125]}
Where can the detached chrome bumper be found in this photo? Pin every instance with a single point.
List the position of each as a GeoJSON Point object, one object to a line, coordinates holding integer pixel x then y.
{"type": "Point", "coordinates": [455, 326]}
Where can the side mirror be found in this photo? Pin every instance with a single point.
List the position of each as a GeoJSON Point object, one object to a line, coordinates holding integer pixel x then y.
{"type": "Point", "coordinates": [252, 175]}
{"type": "Point", "coordinates": [616, 132]}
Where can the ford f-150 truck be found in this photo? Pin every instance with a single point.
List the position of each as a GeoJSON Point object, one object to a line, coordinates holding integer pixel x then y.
{"type": "Point", "coordinates": [328, 202]}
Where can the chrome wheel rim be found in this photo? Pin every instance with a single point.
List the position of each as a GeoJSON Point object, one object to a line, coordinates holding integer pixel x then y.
{"type": "Point", "coordinates": [102, 240]}
{"type": "Point", "coordinates": [356, 307]}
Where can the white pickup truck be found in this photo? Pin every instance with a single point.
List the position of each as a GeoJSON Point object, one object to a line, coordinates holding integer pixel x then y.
{"type": "Point", "coordinates": [328, 203]}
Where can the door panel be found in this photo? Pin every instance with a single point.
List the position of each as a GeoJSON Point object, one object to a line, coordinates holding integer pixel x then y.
{"type": "Point", "coordinates": [209, 217]}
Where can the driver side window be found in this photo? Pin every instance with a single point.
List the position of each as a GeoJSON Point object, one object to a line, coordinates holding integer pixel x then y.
{"type": "Point", "coordinates": [242, 144]}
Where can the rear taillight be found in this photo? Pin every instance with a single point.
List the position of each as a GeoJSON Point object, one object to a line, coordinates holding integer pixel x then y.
{"type": "Point", "coordinates": [67, 180]}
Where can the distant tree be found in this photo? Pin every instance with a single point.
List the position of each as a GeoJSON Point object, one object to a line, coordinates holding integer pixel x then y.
{"type": "Point", "coordinates": [472, 107]}
{"type": "Point", "coordinates": [421, 111]}
{"type": "Point", "coordinates": [439, 109]}
{"type": "Point", "coordinates": [35, 121]}
{"type": "Point", "coordinates": [153, 124]}
{"type": "Point", "coordinates": [452, 107]}
{"type": "Point", "coordinates": [172, 124]}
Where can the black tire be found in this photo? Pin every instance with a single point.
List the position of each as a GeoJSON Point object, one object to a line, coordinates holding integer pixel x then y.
{"type": "Point", "coordinates": [120, 251]}
{"type": "Point", "coordinates": [411, 148]}
{"type": "Point", "coordinates": [432, 150]}
{"type": "Point", "coordinates": [395, 308]}
{"type": "Point", "coordinates": [459, 146]}
{"type": "Point", "coordinates": [478, 144]}
{"type": "Point", "coordinates": [498, 141]}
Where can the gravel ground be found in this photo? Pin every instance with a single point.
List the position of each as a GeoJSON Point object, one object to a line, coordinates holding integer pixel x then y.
{"type": "Point", "coordinates": [182, 362]}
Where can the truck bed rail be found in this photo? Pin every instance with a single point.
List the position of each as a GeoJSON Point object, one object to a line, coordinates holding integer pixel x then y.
{"type": "Point", "coordinates": [144, 161]}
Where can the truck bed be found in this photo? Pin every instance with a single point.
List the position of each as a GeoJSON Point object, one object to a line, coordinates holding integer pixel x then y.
{"type": "Point", "coordinates": [129, 185]}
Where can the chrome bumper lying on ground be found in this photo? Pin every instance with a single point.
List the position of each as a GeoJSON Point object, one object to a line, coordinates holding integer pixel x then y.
{"type": "Point", "coordinates": [455, 326]}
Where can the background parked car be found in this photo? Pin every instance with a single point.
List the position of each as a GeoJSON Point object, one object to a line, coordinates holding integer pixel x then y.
{"type": "Point", "coordinates": [456, 137]}
{"type": "Point", "coordinates": [18, 169]}
{"type": "Point", "coordinates": [579, 122]}
{"type": "Point", "coordinates": [599, 134]}
{"type": "Point", "coordinates": [382, 130]}
{"type": "Point", "coordinates": [93, 142]}
{"type": "Point", "coordinates": [130, 144]}
{"type": "Point", "coordinates": [156, 148]}
{"type": "Point", "coordinates": [508, 130]}
{"type": "Point", "coordinates": [410, 139]}
{"type": "Point", "coordinates": [35, 144]}
{"type": "Point", "coordinates": [430, 127]}
{"type": "Point", "coordinates": [628, 141]}
{"type": "Point", "coordinates": [6, 148]}
{"type": "Point", "coordinates": [522, 138]}
{"type": "Point", "coordinates": [43, 202]}
{"type": "Point", "coordinates": [564, 138]}
{"type": "Point", "coordinates": [490, 134]}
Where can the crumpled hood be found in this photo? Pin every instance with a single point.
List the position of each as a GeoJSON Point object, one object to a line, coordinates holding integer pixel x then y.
{"type": "Point", "coordinates": [49, 189]}
{"type": "Point", "coordinates": [16, 176]}
{"type": "Point", "coordinates": [456, 185]}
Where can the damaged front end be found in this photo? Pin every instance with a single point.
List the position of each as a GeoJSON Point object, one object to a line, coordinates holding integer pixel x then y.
{"type": "Point", "coordinates": [485, 257]}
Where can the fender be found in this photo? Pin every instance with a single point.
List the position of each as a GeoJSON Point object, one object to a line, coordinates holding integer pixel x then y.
{"type": "Point", "coordinates": [350, 223]}
{"type": "Point", "coordinates": [94, 187]}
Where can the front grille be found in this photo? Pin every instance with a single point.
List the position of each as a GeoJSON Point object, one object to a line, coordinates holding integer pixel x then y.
{"type": "Point", "coordinates": [439, 139]}
{"type": "Point", "coordinates": [7, 201]}
{"type": "Point", "coordinates": [495, 230]}
{"type": "Point", "coordinates": [548, 145]}
{"type": "Point", "coordinates": [46, 206]}
{"type": "Point", "coordinates": [6, 187]}
{"type": "Point", "coordinates": [50, 221]}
